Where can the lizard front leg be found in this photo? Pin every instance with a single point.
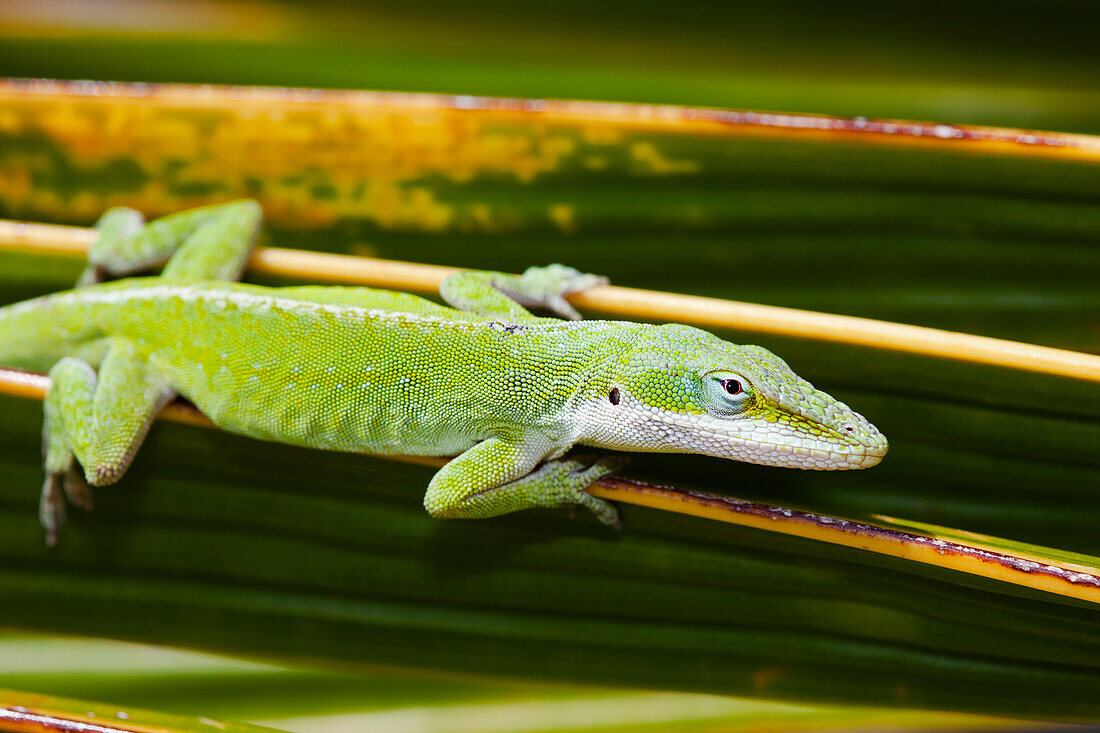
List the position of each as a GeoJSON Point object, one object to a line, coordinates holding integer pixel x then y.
{"type": "Point", "coordinates": [502, 296]}
{"type": "Point", "coordinates": [498, 476]}
{"type": "Point", "coordinates": [98, 420]}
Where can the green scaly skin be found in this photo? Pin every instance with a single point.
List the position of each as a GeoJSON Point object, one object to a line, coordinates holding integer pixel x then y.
{"type": "Point", "coordinates": [373, 371]}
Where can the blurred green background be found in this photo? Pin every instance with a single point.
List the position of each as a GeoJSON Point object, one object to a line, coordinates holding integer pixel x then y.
{"type": "Point", "coordinates": [1010, 63]}
{"type": "Point", "coordinates": [999, 247]}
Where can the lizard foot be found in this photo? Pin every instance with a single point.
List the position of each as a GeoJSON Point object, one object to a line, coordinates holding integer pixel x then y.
{"type": "Point", "coordinates": [546, 287]}
{"type": "Point", "coordinates": [574, 476]}
{"type": "Point", "coordinates": [77, 490]}
{"type": "Point", "coordinates": [115, 226]}
{"type": "Point", "coordinates": [51, 504]}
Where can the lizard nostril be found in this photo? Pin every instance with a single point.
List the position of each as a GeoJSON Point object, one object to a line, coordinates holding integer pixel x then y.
{"type": "Point", "coordinates": [614, 396]}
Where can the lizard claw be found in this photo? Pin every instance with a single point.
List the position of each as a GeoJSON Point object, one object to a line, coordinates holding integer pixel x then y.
{"type": "Point", "coordinates": [560, 306]}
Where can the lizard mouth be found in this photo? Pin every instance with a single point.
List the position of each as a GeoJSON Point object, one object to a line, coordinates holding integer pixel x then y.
{"type": "Point", "coordinates": [771, 444]}
{"type": "Point", "coordinates": [812, 455]}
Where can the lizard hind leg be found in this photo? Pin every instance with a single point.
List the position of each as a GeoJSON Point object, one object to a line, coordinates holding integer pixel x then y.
{"type": "Point", "coordinates": [208, 243]}
{"type": "Point", "coordinates": [98, 420]}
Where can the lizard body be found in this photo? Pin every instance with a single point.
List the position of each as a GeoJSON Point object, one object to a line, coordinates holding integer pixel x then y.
{"type": "Point", "coordinates": [363, 370]}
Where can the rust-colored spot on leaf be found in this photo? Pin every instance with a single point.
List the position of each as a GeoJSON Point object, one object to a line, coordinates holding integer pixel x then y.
{"type": "Point", "coordinates": [764, 677]}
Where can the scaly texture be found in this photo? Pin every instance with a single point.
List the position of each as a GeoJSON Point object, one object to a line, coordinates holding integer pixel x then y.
{"type": "Point", "coordinates": [362, 370]}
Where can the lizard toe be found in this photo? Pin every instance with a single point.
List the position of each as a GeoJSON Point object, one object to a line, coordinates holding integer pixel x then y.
{"type": "Point", "coordinates": [77, 489]}
{"type": "Point", "coordinates": [51, 508]}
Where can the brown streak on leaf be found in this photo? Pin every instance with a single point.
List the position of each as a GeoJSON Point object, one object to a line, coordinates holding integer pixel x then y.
{"type": "Point", "coordinates": [1032, 571]}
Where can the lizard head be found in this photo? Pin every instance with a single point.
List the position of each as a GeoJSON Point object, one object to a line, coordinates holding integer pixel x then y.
{"type": "Point", "coordinates": [678, 389]}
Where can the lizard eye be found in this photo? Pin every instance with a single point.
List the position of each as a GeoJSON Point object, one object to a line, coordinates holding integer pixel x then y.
{"type": "Point", "coordinates": [730, 393]}
{"type": "Point", "coordinates": [732, 386]}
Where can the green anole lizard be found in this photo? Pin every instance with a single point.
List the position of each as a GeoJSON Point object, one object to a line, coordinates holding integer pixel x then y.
{"type": "Point", "coordinates": [373, 371]}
